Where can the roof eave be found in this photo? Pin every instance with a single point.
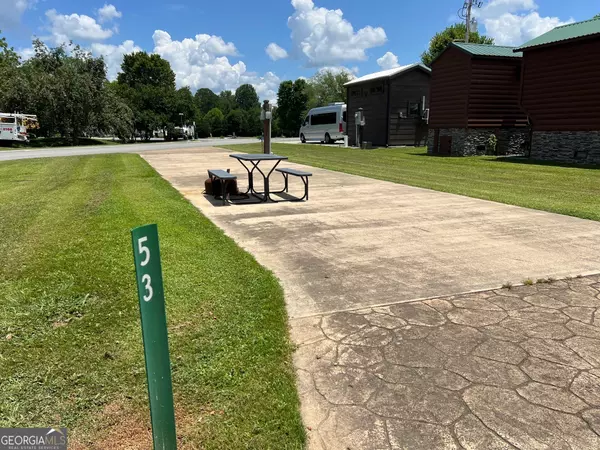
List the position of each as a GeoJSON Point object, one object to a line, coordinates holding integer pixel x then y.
{"type": "Point", "coordinates": [389, 77]}
{"type": "Point", "coordinates": [552, 44]}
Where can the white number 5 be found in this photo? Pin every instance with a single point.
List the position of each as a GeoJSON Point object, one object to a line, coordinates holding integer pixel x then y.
{"type": "Point", "coordinates": [146, 279]}
{"type": "Point", "coordinates": [144, 249]}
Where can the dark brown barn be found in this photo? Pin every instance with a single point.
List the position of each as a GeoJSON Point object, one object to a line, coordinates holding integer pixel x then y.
{"type": "Point", "coordinates": [393, 102]}
{"type": "Point", "coordinates": [561, 93]}
{"type": "Point", "coordinates": [474, 94]}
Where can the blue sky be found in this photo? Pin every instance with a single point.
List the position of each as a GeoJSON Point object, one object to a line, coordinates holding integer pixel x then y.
{"type": "Point", "coordinates": [222, 44]}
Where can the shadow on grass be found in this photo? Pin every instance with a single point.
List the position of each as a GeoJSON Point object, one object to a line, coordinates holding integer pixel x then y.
{"type": "Point", "coordinates": [61, 142]}
{"type": "Point", "coordinates": [516, 160]}
{"type": "Point", "coordinates": [537, 162]}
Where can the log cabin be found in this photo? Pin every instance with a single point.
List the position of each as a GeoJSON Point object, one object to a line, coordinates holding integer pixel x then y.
{"type": "Point", "coordinates": [560, 93]}
{"type": "Point", "coordinates": [475, 94]}
{"type": "Point", "coordinates": [393, 102]}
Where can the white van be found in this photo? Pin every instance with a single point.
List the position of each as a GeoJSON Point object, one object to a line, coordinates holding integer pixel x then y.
{"type": "Point", "coordinates": [326, 124]}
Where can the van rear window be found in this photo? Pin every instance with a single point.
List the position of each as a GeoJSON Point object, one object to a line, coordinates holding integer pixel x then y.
{"type": "Point", "coordinates": [324, 119]}
{"type": "Point", "coordinates": [344, 117]}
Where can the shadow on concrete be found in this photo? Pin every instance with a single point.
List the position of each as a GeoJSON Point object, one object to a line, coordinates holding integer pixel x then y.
{"type": "Point", "coordinates": [244, 199]}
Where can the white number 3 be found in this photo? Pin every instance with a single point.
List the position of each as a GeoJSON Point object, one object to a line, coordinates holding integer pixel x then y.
{"type": "Point", "coordinates": [144, 249]}
{"type": "Point", "coordinates": [146, 279]}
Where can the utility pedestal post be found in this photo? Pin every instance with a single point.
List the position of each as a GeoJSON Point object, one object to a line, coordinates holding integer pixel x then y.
{"type": "Point", "coordinates": [359, 121]}
{"type": "Point", "coordinates": [266, 116]}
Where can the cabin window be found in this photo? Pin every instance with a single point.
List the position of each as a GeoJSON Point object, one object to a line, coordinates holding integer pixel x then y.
{"type": "Point", "coordinates": [306, 121]}
{"type": "Point", "coordinates": [7, 120]}
{"type": "Point", "coordinates": [356, 92]}
{"type": "Point", "coordinates": [414, 109]}
{"type": "Point", "coordinates": [323, 119]}
{"type": "Point", "coordinates": [377, 89]}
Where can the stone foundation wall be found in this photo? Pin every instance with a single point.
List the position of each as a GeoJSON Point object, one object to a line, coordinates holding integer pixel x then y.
{"type": "Point", "coordinates": [582, 147]}
{"type": "Point", "coordinates": [473, 141]}
{"type": "Point", "coordinates": [430, 139]}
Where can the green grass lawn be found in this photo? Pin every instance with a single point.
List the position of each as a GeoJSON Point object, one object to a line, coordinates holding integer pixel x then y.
{"type": "Point", "coordinates": [562, 189]}
{"type": "Point", "coordinates": [70, 340]}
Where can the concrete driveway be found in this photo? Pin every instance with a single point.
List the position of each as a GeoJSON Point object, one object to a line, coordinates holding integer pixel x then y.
{"type": "Point", "coordinates": [361, 242]}
{"type": "Point", "coordinates": [386, 360]}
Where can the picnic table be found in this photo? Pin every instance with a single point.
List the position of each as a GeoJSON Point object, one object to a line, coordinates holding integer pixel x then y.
{"type": "Point", "coordinates": [251, 163]}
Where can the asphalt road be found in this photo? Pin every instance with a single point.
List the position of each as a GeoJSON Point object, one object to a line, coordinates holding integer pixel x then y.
{"type": "Point", "coordinates": [10, 155]}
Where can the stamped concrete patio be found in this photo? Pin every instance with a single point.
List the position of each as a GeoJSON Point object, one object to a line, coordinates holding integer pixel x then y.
{"type": "Point", "coordinates": [502, 369]}
{"type": "Point", "coordinates": [386, 359]}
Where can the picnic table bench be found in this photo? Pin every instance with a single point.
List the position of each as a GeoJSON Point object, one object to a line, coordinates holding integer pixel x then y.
{"type": "Point", "coordinates": [286, 172]}
{"type": "Point", "coordinates": [224, 177]}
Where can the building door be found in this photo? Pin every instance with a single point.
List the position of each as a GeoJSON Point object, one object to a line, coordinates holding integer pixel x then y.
{"type": "Point", "coordinates": [445, 145]}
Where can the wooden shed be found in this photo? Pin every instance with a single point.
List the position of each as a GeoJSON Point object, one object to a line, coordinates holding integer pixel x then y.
{"type": "Point", "coordinates": [393, 103]}
{"type": "Point", "coordinates": [560, 92]}
{"type": "Point", "coordinates": [474, 94]}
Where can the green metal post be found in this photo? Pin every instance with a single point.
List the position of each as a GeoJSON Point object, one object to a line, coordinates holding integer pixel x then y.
{"type": "Point", "coordinates": [154, 331]}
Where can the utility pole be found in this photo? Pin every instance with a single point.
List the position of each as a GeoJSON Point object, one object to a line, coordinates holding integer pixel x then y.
{"type": "Point", "coordinates": [469, 6]}
{"type": "Point", "coordinates": [466, 13]}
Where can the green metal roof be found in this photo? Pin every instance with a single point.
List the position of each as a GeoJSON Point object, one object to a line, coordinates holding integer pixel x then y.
{"type": "Point", "coordinates": [497, 51]}
{"type": "Point", "coordinates": [565, 33]}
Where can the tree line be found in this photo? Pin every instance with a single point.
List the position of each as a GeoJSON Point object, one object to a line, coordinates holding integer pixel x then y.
{"type": "Point", "coordinates": [67, 88]}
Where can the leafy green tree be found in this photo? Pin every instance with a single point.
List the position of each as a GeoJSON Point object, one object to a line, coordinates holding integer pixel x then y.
{"type": "Point", "coordinates": [441, 40]}
{"type": "Point", "coordinates": [116, 117]}
{"type": "Point", "coordinates": [246, 97]}
{"type": "Point", "coordinates": [140, 69]}
{"type": "Point", "coordinates": [202, 128]}
{"type": "Point", "coordinates": [147, 83]}
{"type": "Point", "coordinates": [275, 130]}
{"type": "Point", "coordinates": [63, 86]}
{"type": "Point", "coordinates": [206, 100]}
{"type": "Point", "coordinates": [252, 125]}
{"type": "Point", "coordinates": [8, 56]}
{"type": "Point", "coordinates": [597, 16]}
{"type": "Point", "coordinates": [292, 104]}
{"type": "Point", "coordinates": [183, 102]}
{"type": "Point", "coordinates": [236, 122]}
{"type": "Point", "coordinates": [227, 102]}
{"type": "Point", "coordinates": [216, 122]}
{"type": "Point", "coordinates": [327, 87]}
{"type": "Point", "coordinates": [9, 63]}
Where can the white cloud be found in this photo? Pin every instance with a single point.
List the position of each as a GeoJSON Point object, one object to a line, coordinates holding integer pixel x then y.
{"type": "Point", "coordinates": [202, 62]}
{"type": "Point", "coordinates": [113, 55]}
{"type": "Point", "coordinates": [322, 36]}
{"type": "Point", "coordinates": [108, 13]}
{"type": "Point", "coordinates": [388, 61]}
{"type": "Point", "coordinates": [12, 10]}
{"type": "Point", "coordinates": [26, 53]}
{"type": "Point", "coordinates": [514, 22]}
{"type": "Point", "coordinates": [74, 26]}
{"type": "Point", "coordinates": [275, 52]}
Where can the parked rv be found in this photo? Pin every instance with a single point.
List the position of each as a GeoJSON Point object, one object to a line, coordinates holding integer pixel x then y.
{"type": "Point", "coordinates": [325, 124]}
{"type": "Point", "coordinates": [17, 127]}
